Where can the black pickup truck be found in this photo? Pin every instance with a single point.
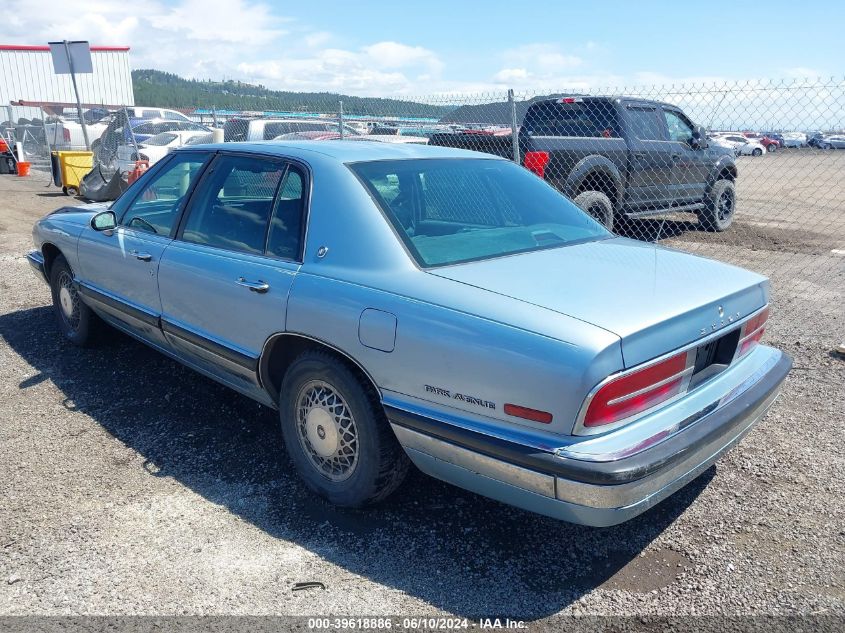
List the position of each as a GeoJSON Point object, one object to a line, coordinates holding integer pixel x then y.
{"type": "Point", "coordinates": [619, 158]}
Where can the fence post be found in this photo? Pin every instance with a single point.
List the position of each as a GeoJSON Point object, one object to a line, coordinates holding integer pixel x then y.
{"type": "Point", "coordinates": [514, 127]}
{"type": "Point", "coordinates": [131, 135]}
{"type": "Point", "coordinates": [213, 116]}
{"type": "Point", "coordinates": [340, 117]}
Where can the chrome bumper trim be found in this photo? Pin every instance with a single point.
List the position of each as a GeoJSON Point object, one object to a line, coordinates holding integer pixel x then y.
{"type": "Point", "coordinates": [622, 495]}
{"type": "Point", "coordinates": [476, 462]}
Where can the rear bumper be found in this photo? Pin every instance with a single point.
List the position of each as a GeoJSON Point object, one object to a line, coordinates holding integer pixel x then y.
{"type": "Point", "coordinates": [36, 261]}
{"type": "Point", "coordinates": [589, 492]}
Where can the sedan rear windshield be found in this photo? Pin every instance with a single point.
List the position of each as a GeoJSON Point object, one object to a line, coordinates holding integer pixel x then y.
{"type": "Point", "coordinates": [448, 211]}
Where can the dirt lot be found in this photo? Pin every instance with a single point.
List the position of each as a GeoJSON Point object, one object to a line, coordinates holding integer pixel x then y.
{"type": "Point", "coordinates": [131, 485]}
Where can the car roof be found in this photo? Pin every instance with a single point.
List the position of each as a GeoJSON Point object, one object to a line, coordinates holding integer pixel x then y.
{"type": "Point", "coordinates": [346, 152]}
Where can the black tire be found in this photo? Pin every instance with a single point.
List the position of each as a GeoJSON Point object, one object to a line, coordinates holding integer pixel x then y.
{"type": "Point", "coordinates": [598, 205]}
{"type": "Point", "coordinates": [71, 191]}
{"type": "Point", "coordinates": [355, 459]}
{"type": "Point", "coordinates": [76, 321]}
{"type": "Point", "coordinates": [757, 152]}
{"type": "Point", "coordinates": [719, 207]}
{"type": "Point", "coordinates": [772, 147]}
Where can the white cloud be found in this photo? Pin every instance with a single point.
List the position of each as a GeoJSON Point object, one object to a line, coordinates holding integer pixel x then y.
{"type": "Point", "coordinates": [318, 38]}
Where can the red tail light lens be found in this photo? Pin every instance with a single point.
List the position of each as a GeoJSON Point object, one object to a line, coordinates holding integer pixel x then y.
{"type": "Point", "coordinates": [752, 331]}
{"type": "Point", "coordinates": [638, 391]}
{"type": "Point", "coordinates": [536, 162]}
{"type": "Point", "coordinates": [66, 135]}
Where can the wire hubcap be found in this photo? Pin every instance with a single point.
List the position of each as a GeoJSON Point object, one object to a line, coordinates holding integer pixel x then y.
{"type": "Point", "coordinates": [326, 430]}
{"type": "Point", "coordinates": [68, 301]}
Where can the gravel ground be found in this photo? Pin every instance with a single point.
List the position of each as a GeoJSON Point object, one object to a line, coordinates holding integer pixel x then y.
{"type": "Point", "coordinates": [131, 485]}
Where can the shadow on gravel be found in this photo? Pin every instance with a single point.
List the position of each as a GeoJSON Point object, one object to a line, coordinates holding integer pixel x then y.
{"type": "Point", "coordinates": [455, 550]}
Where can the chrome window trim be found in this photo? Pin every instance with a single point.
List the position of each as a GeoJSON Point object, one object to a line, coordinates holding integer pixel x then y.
{"type": "Point", "coordinates": [579, 429]}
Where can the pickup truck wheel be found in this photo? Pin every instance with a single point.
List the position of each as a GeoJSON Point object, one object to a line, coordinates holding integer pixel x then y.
{"type": "Point", "coordinates": [76, 320]}
{"type": "Point", "coordinates": [598, 205]}
{"type": "Point", "coordinates": [719, 208]}
{"type": "Point", "coordinates": [337, 434]}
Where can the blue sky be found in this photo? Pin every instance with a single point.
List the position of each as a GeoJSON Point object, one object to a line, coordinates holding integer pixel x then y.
{"type": "Point", "coordinates": [437, 46]}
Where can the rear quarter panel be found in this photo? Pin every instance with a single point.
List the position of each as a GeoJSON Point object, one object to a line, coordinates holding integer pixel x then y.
{"type": "Point", "coordinates": [472, 357]}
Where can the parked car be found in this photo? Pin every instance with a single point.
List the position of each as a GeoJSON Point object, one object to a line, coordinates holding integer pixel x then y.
{"type": "Point", "coordinates": [118, 133]}
{"type": "Point", "coordinates": [156, 147]}
{"type": "Point", "coordinates": [745, 146]}
{"type": "Point", "coordinates": [66, 133]}
{"type": "Point", "coordinates": [619, 158]}
{"type": "Point", "coordinates": [718, 141]}
{"type": "Point", "coordinates": [794, 139]}
{"type": "Point", "coordinates": [813, 138]}
{"type": "Point", "coordinates": [832, 142]}
{"type": "Point", "coordinates": [239, 129]}
{"type": "Point", "coordinates": [459, 312]}
{"type": "Point", "coordinates": [771, 144]}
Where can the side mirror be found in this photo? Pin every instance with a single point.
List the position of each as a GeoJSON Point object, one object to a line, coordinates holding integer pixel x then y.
{"type": "Point", "coordinates": [699, 138]}
{"type": "Point", "coordinates": [105, 221]}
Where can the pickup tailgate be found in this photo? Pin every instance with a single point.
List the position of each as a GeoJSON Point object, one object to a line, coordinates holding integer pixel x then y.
{"type": "Point", "coordinates": [654, 298]}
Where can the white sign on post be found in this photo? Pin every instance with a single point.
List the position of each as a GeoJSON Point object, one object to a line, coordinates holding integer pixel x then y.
{"type": "Point", "coordinates": [76, 58]}
{"type": "Point", "coordinates": [70, 58]}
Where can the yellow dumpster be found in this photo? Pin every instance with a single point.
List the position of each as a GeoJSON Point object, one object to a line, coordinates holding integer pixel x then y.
{"type": "Point", "coordinates": [73, 166]}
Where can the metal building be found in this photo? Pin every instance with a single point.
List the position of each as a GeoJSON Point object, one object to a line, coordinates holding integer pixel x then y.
{"type": "Point", "coordinates": [26, 73]}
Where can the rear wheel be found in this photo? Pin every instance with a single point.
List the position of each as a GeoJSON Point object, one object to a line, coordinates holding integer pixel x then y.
{"type": "Point", "coordinates": [336, 432]}
{"type": "Point", "coordinates": [719, 207]}
{"type": "Point", "coordinates": [76, 321]}
{"type": "Point", "coordinates": [772, 147]}
{"type": "Point", "coordinates": [598, 205]}
{"type": "Point", "coordinates": [757, 152]}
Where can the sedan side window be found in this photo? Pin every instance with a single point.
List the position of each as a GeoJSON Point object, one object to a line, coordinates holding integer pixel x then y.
{"type": "Point", "coordinates": [285, 238]}
{"type": "Point", "coordinates": [679, 128]}
{"type": "Point", "coordinates": [156, 208]}
{"type": "Point", "coordinates": [232, 208]}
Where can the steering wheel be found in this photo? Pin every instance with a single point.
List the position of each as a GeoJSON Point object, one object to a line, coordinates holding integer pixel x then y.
{"type": "Point", "coordinates": [142, 221]}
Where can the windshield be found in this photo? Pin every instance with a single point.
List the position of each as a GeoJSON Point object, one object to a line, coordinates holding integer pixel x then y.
{"type": "Point", "coordinates": [453, 210]}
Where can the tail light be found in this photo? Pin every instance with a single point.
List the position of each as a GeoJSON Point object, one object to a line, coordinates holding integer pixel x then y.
{"type": "Point", "coordinates": [636, 391]}
{"type": "Point", "coordinates": [66, 135]}
{"type": "Point", "coordinates": [751, 332]}
{"type": "Point", "coordinates": [536, 162]}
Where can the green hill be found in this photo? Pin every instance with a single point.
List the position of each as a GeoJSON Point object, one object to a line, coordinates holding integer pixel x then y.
{"type": "Point", "coordinates": [166, 90]}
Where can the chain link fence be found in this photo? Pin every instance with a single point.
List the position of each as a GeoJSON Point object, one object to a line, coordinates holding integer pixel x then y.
{"type": "Point", "coordinates": [746, 172]}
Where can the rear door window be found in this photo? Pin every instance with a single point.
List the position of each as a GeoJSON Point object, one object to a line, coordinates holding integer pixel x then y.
{"type": "Point", "coordinates": [232, 207]}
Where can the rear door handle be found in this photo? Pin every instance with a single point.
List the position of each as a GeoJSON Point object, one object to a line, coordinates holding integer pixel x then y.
{"type": "Point", "coordinates": [144, 257]}
{"type": "Point", "coordinates": [255, 286]}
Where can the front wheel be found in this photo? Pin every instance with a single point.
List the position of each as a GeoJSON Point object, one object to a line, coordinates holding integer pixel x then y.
{"type": "Point", "coordinates": [76, 321]}
{"type": "Point", "coordinates": [719, 207]}
{"type": "Point", "coordinates": [336, 432]}
{"type": "Point", "coordinates": [772, 147]}
{"type": "Point", "coordinates": [598, 205]}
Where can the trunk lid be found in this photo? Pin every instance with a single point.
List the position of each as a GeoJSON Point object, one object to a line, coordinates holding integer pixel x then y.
{"type": "Point", "coordinates": [654, 298]}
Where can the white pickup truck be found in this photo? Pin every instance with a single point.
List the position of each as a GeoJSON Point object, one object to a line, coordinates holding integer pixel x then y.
{"type": "Point", "coordinates": [65, 133]}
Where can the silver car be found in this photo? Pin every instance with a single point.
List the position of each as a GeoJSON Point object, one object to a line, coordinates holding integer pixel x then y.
{"type": "Point", "coordinates": [404, 302]}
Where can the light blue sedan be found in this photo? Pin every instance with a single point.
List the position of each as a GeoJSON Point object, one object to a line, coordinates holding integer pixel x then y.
{"type": "Point", "coordinates": [405, 303]}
